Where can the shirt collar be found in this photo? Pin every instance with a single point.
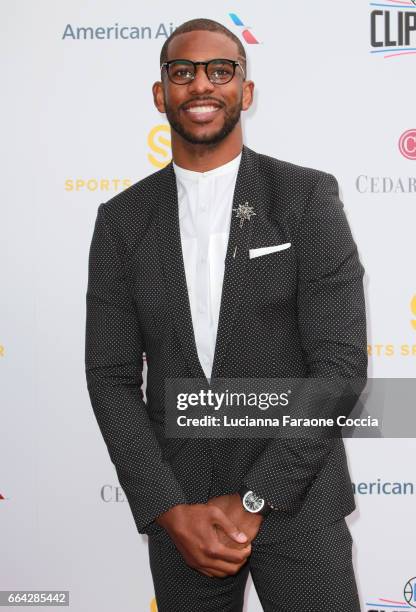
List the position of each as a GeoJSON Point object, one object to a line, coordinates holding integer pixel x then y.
{"type": "Point", "coordinates": [193, 175]}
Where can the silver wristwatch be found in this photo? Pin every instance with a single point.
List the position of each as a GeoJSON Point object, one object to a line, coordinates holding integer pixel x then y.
{"type": "Point", "coordinates": [253, 503]}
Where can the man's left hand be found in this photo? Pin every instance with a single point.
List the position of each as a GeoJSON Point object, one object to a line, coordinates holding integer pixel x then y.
{"type": "Point", "coordinates": [247, 522]}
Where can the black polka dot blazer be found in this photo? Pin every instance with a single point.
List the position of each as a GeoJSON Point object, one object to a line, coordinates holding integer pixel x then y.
{"type": "Point", "coordinates": [298, 312]}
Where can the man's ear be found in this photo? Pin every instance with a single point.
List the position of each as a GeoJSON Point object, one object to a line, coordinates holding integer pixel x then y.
{"type": "Point", "coordinates": [158, 97]}
{"type": "Point", "coordinates": [248, 94]}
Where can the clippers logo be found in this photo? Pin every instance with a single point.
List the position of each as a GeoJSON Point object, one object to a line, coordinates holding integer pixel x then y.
{"type": "Point", "coordinates": [393, 27]}
{"type": "Point", "coordinates": [387, 605]}
{"type": "Point", "coordinates": [392, 605]}
{"type": "Point", "coordinates": [407, 143]}
{"type": "Point", "coordinates": [410, 592]}
{"type": "Point", "coordinates": [246, 34]}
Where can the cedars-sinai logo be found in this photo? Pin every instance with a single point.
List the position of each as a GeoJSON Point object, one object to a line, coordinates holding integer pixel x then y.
{"type": "Point", "coordinates": [393, 27]}
{"type": "Point", "coordinates": [407, 143]}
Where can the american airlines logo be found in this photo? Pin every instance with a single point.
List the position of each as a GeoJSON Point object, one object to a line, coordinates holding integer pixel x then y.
{"type": "Point", "coordinates": [245, 31]}
{"type": "Point", "coordinates": [117, 31]}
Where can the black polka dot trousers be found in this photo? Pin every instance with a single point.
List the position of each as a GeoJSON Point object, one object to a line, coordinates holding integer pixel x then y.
{"type": "Point", "coordinates": [312, 572]}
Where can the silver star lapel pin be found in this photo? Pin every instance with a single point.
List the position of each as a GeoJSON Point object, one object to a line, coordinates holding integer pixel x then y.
{"type": "Point", "coordinates": [244, 211]}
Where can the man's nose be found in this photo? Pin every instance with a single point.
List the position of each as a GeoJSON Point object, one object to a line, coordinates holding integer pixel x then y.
{"type": "Point", "coordinates": [201, 81]}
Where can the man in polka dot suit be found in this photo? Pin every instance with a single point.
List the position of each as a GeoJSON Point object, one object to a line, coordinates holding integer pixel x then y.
{"type": "Point", "coordinates": [178, 270]}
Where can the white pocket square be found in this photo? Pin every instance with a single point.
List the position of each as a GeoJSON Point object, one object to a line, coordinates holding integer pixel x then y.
{"type": "Point", "coordinates": [268, 249]}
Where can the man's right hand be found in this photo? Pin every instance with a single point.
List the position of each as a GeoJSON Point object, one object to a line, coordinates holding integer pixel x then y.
{"type": "Point", "coordinates": [193, 529]}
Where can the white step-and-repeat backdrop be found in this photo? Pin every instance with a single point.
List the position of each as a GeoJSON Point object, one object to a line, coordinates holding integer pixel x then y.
{"type": "Point", "coordinates": [334, 89]}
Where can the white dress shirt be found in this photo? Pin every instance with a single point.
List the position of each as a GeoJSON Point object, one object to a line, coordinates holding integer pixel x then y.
{"type": "Point", "coordinates": [205, 208]}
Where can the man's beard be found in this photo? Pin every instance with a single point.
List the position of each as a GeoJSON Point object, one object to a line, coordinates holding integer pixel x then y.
{"type": "Point", "coordinates": [232, 116]}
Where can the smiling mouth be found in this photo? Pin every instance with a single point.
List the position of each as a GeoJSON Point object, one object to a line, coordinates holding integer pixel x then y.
{"type": "Point", "coordinates": [202, 109]}
{"type": "Point", "coordinates": [202, 114]}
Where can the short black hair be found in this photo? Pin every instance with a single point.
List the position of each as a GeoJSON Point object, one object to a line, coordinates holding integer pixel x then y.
{"type": "Point", "coordinates": [208, 25]}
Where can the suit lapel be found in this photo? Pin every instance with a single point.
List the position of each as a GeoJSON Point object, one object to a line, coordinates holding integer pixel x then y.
{"type": "Point", "coordinates": [170, 249]}
{"type": "Point", "coordinates": [245, 193]}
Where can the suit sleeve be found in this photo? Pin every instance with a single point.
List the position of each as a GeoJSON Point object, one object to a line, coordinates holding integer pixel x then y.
{"type": "Point", "coordinates": [332, 327]}
{"type": "Point", "coordinates": [113, 365]}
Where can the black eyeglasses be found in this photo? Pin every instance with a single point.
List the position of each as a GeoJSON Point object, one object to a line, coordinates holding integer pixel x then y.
{"type": "Point", "coordinates": [219, 71]}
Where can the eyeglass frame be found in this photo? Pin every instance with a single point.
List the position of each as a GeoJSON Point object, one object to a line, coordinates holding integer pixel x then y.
{"type": "Point", "coordinates": [234, 63]}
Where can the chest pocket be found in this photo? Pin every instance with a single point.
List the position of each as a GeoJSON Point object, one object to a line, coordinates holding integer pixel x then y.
{"type": "Point", "coordinates": [273, 276]}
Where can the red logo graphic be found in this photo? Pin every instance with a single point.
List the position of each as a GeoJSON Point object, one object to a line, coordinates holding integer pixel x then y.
{"type": "Point", "coordinates": [247, 35]}
{"type": "Point", "coordinates": [1, 496]}
{"type": "Point", "coordinates": [407, 144]}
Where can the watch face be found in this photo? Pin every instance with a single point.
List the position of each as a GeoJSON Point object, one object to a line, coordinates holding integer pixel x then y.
{"type": "Point", "coordinates": [252, 502]}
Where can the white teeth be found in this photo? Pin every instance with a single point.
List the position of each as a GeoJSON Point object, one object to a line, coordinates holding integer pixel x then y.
{"type": "Point", "coordinates": [201, 109]}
